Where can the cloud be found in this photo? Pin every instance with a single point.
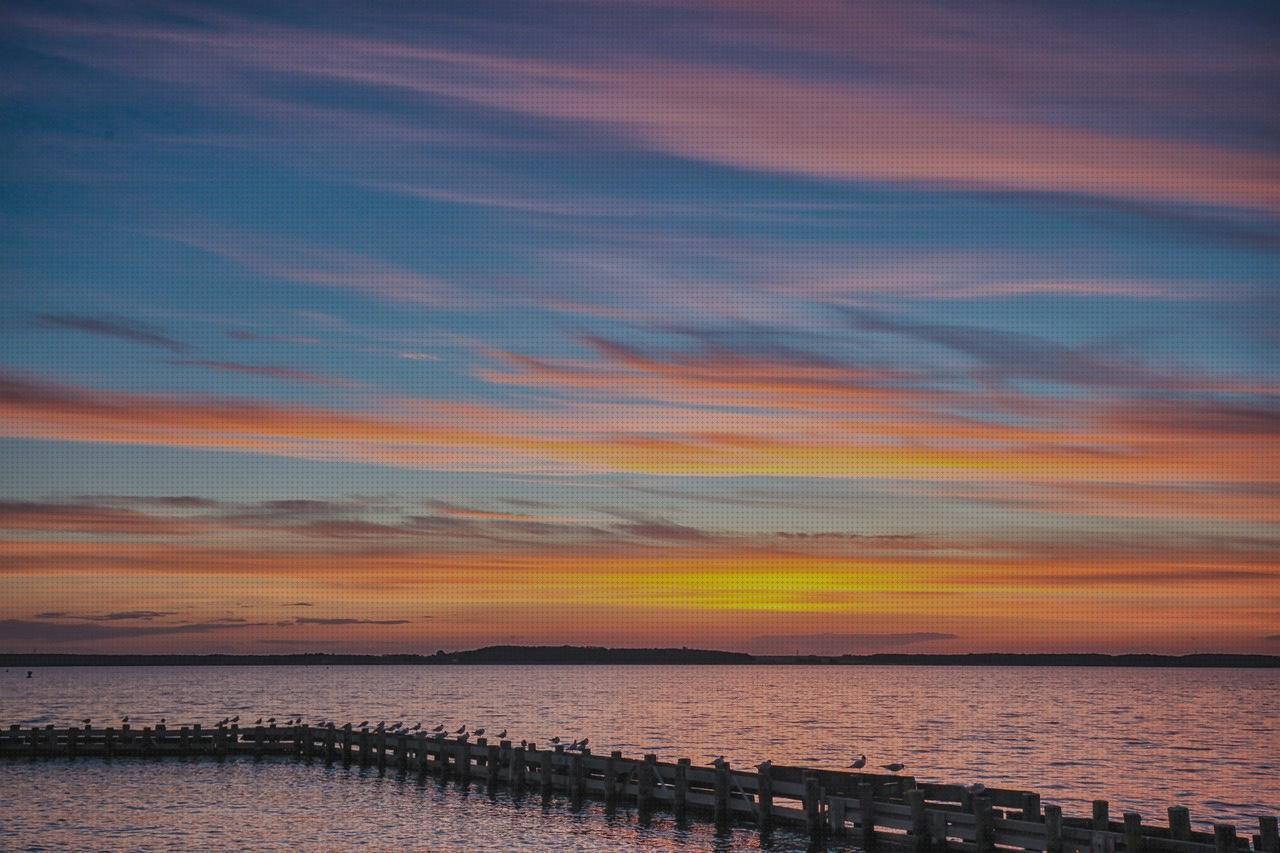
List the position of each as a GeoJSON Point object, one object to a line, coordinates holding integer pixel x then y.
{"type": "Point", "coordinates": [118, 616]}
{"type": "Point", "coordinates": [18, 630]}
{"type": "Point", "coordinates": [318, 620]}
{"type": "Point", "coordinates": [114, 328]}
{"type": "Point", "coordinates": [268, 372]}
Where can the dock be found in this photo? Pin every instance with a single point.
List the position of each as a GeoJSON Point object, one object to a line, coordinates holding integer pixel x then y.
{"type": "Point", "coordinates": [873, 810]}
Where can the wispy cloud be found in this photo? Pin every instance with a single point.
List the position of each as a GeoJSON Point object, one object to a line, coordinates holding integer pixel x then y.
{"type": "Point", "coordinates": [127, 330]}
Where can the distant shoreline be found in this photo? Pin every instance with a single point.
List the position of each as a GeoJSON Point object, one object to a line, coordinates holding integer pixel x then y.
{"type": "Point", "coordinates": [588, 656]}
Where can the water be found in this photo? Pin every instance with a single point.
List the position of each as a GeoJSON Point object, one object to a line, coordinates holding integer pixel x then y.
{"type": "Point", "coordinates": [1143, 739]}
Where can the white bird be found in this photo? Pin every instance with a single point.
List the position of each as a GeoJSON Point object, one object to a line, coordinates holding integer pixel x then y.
{"type": "Point", "coordinates": [894, 767]}
{"type": "Point", "coordinates": [859, 762]}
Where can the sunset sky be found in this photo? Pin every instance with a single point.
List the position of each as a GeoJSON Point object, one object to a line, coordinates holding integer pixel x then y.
{"type": "Point", "coordinates": [763, 326]}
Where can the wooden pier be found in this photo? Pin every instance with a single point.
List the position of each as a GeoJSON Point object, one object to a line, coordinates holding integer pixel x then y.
{"type": "Point", "coordinates": [870, 809]}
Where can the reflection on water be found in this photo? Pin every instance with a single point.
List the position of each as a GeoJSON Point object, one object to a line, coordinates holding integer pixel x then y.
{"type": "Point", "coordinates": [1144, 739]}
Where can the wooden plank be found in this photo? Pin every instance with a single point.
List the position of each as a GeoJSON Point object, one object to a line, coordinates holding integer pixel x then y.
{"type": "Point", "coordinates": [1268, 837]}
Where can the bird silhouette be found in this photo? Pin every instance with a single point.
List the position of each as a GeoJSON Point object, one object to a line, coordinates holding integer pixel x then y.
{"type": "Point", "coordinates": [556, 740]}
{"type": "Point", "coordinates": [719, 761]}
{"type": "Point", "coordinates": [86, 722]}
{"type": "Point", "coordinates": [764, 766]}
{"type": "Point", "coordinates": [584, 743]}
{"type": "Point", "coordinates": [363, 723]}
{"type": "Point", "coordinates": [415, 728]}
{"type": "Point", "coordinates": [479, 732]}
{"type": "Point", "coordinates": [258, 722]}
{"type": "Point", "coordinates": [894, 767]}
{"type": "Point", "coordinates": [124, 719]}
{"type": "Point", "coordinates": [461, 730]}
{"type": "Point", "coordinates": [977, 789]}
{"type": "Point", "coordinates": [502, 734]}
{"type": "Point", "coordinates": [859, 762]}
{"type": "Point", "coordinates": [272, 721]}
{"type": "Point", "coordinates": [235, 719]}
{"type": "Point", "coordinates": [162, 721]}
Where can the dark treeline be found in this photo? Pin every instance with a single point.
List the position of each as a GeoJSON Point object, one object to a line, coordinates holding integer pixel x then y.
{"type": "Point", "coordinates": [589, 656]}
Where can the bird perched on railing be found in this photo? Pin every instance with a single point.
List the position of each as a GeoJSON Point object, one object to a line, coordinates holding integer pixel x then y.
{"type": "Point", "coordinates": [416, 728]}
{"type": "Point", "coordinates": [363, 724]}
{"type": "Point", "coordinates": [86, 722]}
{"type": "Point", "coordinates": [124, 719]}
{"type": "Point", "coordinates": [894, 767]}
{"type": "Point", "coordinates": [479, 732]}
{"type": "Point", "coordinates": [439, 728]}
{"type": "Point", "coordinates": [502, 734]}
{"type": "Point", "coordinates": [764, 766]}
{"type": "Point", "coordinates": [461, 730]}
{"type": "Point", "coordinates": [719, 762]}
{"type": "Point", "coordinates": [859, 762]}
{"type": "Point", "coordinates": [977, 789]}
{"type": "Point", "coordinates": [258, 722]}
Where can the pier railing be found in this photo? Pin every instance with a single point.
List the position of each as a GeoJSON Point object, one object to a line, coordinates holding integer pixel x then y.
{"type": "Point", "coordinates": [874, 809]}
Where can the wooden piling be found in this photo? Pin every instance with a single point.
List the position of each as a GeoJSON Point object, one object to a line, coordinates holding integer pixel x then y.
{"type": "Point", "coordinates": [364, 747]}
{"type": "Point", "coordinates": [381, 749]}
{"type": "Point", "coordinates": [1053, 829]}
{"type": "Point", "coordinates": [722, 791]}
{"type": "Point", "coordinates": [517, 769]}
{"type": "Point", "coordinates": [1133, 832]}
{"type": "Point", "coordinates": [1268, 837]}
{"type": "Point", "coordinates": [1224, 837]}
{"type": "Point", "coordinates": [680, 794]}
{"type": "Point", "coordinates": [464, 762]}
{"type": "Point", "coordinates": [330, 744]}
{"type": "Point", "coordinates": [645, 783]}
{"type": "Point", "coordinates": [1031, 807]}
{"type": "Point", "coordinates": [836, 816]}
{"type": "Point", "coordinates": [1101, 820]}
{"type": "Point", "coordinates": [1180, 823]}
{"type": "Point", "coordinates": [547, 773]}
{"type": "Point", "coordinates": [491, 755]}
{"type": "Point", "coordinates": [812, 805]}
{"type": "Point", "coordinates": [73, 746]}
{"type": "Point", "coordinates": [577, 778]}
{"type": "Point", "coordinates": [867, 816]}
{"type": "Point", "coordinates": [984, 826]}
{"type": "Point", "coordinates": [764, 799]}
{"type": "Point", "coordinates": [110, 747]}
{"type": "Point", "coordinates": [919, 825]}
{"type": "Point", "coordinates": [611, 776]}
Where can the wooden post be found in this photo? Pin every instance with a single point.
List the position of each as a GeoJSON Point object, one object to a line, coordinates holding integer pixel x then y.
{"type": "Point", "coordinates": [645, 784]}
{"type": "Point", "coordinates": [517, 768]}
{"type": "Point", "coordinates": [73, 746]}
{"type": "Point", "coordinates": [867, 806]}
{"type": "Point", "coordinates": [402, 751]}
{"type": "Point", "coordinates": [576, 778]}
{"type": "Point", "coordinates": [680, 795]}
{"type": "Point", "coordinates": [1180, 823]}
{"type": "Point", "coordinates": [464, 761]}
{"type": "Point", "coordinates": [364, 747]}
{"type": "Point", "coordinates": [259, 735]}
{"type": "Point", "coordinates": [984, 827]}
{"type": "Point", "coordinates": [812, 805]}
{"type": "Point", "coordinates": [722, 792]}
{"type": "Point", "coordinates": [1268, 837]}
{"type": "Point", "coordinates": [308, 743]}
{"type": "Point", "coordinates": [111, 741]}
{"type": "Point", "coordinates": [919, 826]}
{"type": "Point", "coordinates": [547, 772]}
{"type": "Point", "coordinates": [1101, 820]}
{"type": "Point", "coordinates": [611, 776]}
{"type": "Point", "coordinates": [184, 741]}
{"type": "Point", "coordinates": [492, 752]}
{"type": "Point", "coordinates": [1132, 832]}
{"type": "Point", "coordinates": [1224, 838]}
{"type": "Point", "coordinates": [197, 736]}
{"type": "Point", "coordinates": [381, 749]}
{"type": "Point", "coordinates": [1031, 807]}
{"type": "Point", "coordinates": [35, 742]}
{"type": "Point", "coordinates": [1053, 829]}
{"type": "Point", "coordinates": [330, 744]}
{"type": "Point", "coordinates": [764, 799]}
{"type": "Point", "coordinates": [835, 816]}
{"type": "Point", "coordinates": [442, 758]}
{"type": "Point", "coordinates": [347, 738]}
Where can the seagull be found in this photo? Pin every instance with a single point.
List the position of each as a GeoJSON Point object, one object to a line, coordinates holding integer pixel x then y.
{"type": "Point", "coordinates": [162, 721]}
{"type": "Point", "coordinates": [764, 766]}
{"type": "Point", "coordinates": [395, 726]}
{"type": "Point", "coordinates": [272, 721]}
{"type": "Point", "coordinates": [977, 789]}
{"type": "Point", "coordinates": [439, 728]}
{"type": "Point", "coordinates": [461, 730]}
{"type": "Point", "coordinates": [479, 732]}
{"type": "Point", "coordinates": [502, 734]}
{"type": "Point", "coordinates": [555, 740]}
{"type": "Point", "coordinates": [584, 743]}
{"type": "Point", "coordinates": [259, 722]}
{"type": "Point", "coordinates": [463, 738]}
{"type": "Point", "coordinates": [415, 728]}
{"type": "Point", "coordinates": [894, 767]}
{"type": "Point", "coordinates": [86, 722]}
{"type": "Point", "coordinates": [235, 719]}
{"type": "Point", "coordinates": [363, 724]}
{"type": "Point", "coordinates": [719, 762]}
{"type": "Point", "coordinates": [124, 719]}
{"type": "Point", "coordinates": [859, 762]}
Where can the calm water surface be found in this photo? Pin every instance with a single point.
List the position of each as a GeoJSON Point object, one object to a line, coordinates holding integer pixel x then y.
{"type": "Point", "coordinates": [1144, 739]}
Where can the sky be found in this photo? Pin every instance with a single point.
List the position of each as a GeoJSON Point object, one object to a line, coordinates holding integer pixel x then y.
{"type": "Point", "coordinates": [777, 327]}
